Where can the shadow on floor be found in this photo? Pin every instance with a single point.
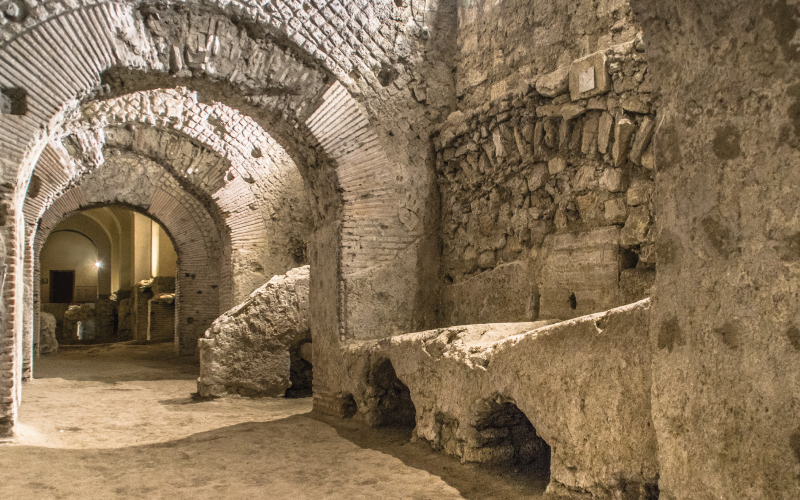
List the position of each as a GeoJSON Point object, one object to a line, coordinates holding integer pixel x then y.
{"type": "Point", "coordinates": [468, 479]}
{"type": "Point", "coordinates": [120, 362]}
{"type": "Point", "coordinates": [299, 457]}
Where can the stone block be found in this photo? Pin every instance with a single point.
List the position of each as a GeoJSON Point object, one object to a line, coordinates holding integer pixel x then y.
{"type": "Point", "coordinates": [554, 84]}
{"type": "Point", "coordinates": [579, 273]}
{"type": "Point", "coordinates": [556, 164]}
{"type": "Point", "coordinates": [639, 192]}
{"type": "Point", "coordinates": [588, 77]}
{"type": "Point", "coordinates": [642, 139]}
{"type": "Point", "coordinates": [551, 132]}
{"type": "Point", "coordinates": [538, 177]}
{"type": "Point", "coordinates": [589, 141]}
{"type": "Point", "coordinates": [47, 334]}
{"type": "Point", "coordinates": [604, 129]}
{"type": "Point", "coordinates": [572, 111]}
{"type": "Point", "coordinates": [248, 349]}
{"type": "Point", "coordinates": [636, 227]}
{"type": "Point", "coordinates": [635, 104]}
{"type": "Point", "coordinates": [614, 180]}
{"type": "Point", "coordinates": [104, 315]}
{"type": "Point", "coordinates": [79, 322]}
{"type": "Point", "coordinates": [648, 158]}
{"type": "Point", "coordinates": [585, 179]}
{"type": "Point", "coordinates": [125, 322]}
{"type": "Point", "coordinates": [616, 211]}
{"type": "Point", "coordinates": [505, 293]}
{"type": "Point", "coordinates": [623, 131]}
{"type": "Point", "coordinates": [636, 284]}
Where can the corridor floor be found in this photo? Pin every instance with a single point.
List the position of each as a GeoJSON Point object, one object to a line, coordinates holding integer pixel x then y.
{"type": "Point", "coordinates": [118, 421]}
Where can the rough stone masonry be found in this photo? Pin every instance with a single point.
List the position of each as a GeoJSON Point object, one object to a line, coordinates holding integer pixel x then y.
{"type": "Point", "coordinates": [464, 171]}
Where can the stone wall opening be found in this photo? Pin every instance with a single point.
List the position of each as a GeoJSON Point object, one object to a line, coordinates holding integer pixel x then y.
{"type": "Point", "coordinates": [13, 101]}
{"type": "Point", "coordinates": [349, 407]}
{"type": "Point", "coordinates": [124, 289]}
{"type": "Point", "coordinates": [389, 399]}
{"type": "Point", "coordinates": [301, 372]}
{"type": "Point", "coordinates": [506, 437]}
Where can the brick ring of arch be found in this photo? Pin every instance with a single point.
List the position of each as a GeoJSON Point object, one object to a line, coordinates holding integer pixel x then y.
{"type": "Point", "coordinates": [222, 156]}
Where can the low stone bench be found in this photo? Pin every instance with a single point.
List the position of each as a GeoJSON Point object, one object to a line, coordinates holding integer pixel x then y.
{"type": "Point", "coordinates": [583, 384]}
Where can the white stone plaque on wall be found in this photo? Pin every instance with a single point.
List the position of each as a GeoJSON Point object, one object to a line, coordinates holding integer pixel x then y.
{"type": "Point", "coordinates": [586, 80]}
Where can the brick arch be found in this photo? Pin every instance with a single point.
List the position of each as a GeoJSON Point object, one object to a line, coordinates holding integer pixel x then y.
{"type": "Point", "coordinates": [223, 154]}
{"type": "Point", "coordinates": [62, 167]}
{"type": "Point", "coordinates": [373, 205]}
{"type": "Point", "coordinates": [147, 189]}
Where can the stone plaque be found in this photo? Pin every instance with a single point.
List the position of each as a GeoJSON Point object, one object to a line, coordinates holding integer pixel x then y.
{"type": "Point", "coordinates": [586, 80]}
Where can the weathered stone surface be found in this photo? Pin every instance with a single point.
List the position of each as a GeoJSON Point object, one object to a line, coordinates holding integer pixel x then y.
{"type": "Point", "coordinates": [588, 77]}
{"type": "Point", "coordinates": [104, 314]}
{"type": "Point", "coordinates": [554, 84]}
{"type": "Point", "coordinates": [589, 140]}
{"type": "Point", "coordinates": [636, 284]}
{"type": "Point", "coordinates": [605, 127]}
{"type": "Point", "coordinates": [616, 211]}
{"type": "Point", "coordinates": [580, 273]}
{"type": "Point", "coordinates": [125, 324]}
{"type": "Point", "coordinates": [623, 131]}
{"type": "Point", "coordinates": [506, 293]}
{"type": "Point", "coordinates": [648, 158]}
{"type": "Point", "coordinates": [48, 344]}
{"type": "Point", "coordinates": [79, 322]}
{"type": "Point", "coordinates": [724, 331]}
{"type": "Point", "coordinates": [161, 317]}
{"type": "Point", "coordinates": [614, 180]}
{"type": "Point", "coordinates": [636, 227]}
{"type": "Point", "coordinates": [556, 165]}
{"type": "Point", "coordinates": [248, 349]}
{"type": "Point", "coordinates": [583, 384]}
{"type": "Point", "coordinates": [642, 139]}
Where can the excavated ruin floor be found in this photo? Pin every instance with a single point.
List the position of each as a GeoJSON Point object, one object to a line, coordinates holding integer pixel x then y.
{"type": "Point", "coordinates": [118, 421]}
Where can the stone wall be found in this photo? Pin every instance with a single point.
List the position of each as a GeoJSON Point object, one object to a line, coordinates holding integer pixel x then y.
{"type": "Point", "coordinates": [105, 315]}
{"type": "Point", "coordinates": [47, 342]}
{"type": "Point", "coordinates": [161, 317]}
{"type": "Point", "coordinates": [503, 43]}
{"type": "Point", "coordinates": [724, 327]}
{"type": "Point", "coordinates": [125, 319]}
{"type": "Point", "coordinates": [558, 155]}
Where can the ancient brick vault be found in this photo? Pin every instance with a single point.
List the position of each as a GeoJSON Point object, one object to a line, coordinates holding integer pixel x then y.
{"type": "Point", "coordinates": [553, 232]}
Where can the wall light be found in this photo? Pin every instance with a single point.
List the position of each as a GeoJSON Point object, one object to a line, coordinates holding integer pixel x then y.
{"type": "Point", "coordinates": [97, 264]}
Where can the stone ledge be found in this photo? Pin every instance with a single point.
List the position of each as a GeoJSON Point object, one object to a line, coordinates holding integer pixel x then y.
{"type": "Point", "coordinates": [584, 385]}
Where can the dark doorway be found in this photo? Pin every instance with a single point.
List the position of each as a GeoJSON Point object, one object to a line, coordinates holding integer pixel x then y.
{"type": "Point", "coordinates": [62, 286]}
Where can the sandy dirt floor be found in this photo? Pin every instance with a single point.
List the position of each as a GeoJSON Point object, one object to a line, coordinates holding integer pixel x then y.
{"type": "Point", "coordinates": [118, 421]}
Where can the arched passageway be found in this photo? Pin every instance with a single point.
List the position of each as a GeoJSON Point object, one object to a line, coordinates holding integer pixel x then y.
{"type": "Point", "coordinates": [370, 217]}
{"type": "Point", "coordinates": [124, 288]}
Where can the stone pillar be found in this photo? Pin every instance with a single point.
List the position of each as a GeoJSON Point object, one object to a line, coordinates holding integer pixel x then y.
{"type": "Point", "coordinates": [725, 331]}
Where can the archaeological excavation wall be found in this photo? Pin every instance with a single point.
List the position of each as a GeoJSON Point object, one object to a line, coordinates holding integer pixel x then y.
{"type": "Point", "coordinates": [483, 190]}
{"type": "Point", "coordinates": [540, 147]}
